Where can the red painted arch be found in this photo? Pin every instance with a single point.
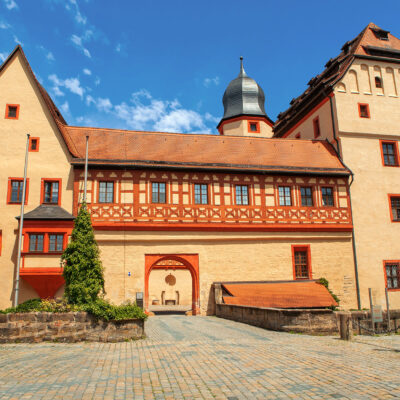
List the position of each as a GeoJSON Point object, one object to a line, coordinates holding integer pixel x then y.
{"type": "Point", "coordinates": [190, 262]}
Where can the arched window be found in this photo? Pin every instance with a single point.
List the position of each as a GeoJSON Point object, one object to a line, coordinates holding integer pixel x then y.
{"type": "Point", "coordinates": [378, 82]}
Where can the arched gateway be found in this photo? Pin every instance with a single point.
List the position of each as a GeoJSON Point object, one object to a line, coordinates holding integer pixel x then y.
{"type": "Point", "coordinates": [174, 261]}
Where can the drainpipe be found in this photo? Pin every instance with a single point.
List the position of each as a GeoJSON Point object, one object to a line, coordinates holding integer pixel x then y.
{"type": "Point", "coordinates": [338, 152]}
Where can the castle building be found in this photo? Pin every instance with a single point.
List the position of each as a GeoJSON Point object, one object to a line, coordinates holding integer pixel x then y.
{"type": "Point", "coordinates": [354, 105]}
{"type": "Point", "coordinates": [174, 213]}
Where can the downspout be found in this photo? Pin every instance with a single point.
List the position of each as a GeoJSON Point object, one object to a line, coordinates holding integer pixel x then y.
{"type": "Point", "coordinates": [353, 237]}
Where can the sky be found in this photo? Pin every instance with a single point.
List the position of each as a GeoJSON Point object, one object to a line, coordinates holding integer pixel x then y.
{"type": "Point", "coordinates": [164, 65]}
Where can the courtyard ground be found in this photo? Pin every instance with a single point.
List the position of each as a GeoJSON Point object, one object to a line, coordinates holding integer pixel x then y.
{"type": "Point", "coordinates": [204, 358]}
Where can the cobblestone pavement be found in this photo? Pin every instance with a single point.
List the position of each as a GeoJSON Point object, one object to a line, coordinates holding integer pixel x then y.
{"type": "Point", "coordinates": [204, 358]}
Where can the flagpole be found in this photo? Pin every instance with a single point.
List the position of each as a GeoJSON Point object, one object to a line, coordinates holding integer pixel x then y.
{"type": "Point", "coordinates": [86, 168]}
{"type": "Point", "coordinates": [21, 223]}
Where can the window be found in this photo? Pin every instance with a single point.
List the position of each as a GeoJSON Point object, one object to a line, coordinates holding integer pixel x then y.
{"type": "Point", "coordinates": [200, 194]}
{"type": "Point", "coordinates": [36, 242]}
{"type": "Point", "coordinates": [317, 130]}
{"type": "Point", "coordinates": [363, 110]}
{"type": "Point", "coordinates": [242, 195]}
{"type": "Point", "coordinates": [285, 198]}
{"type": "Point", "coordinates": [158, 192]}
{"type": "Point", "coordinates": [306, 196]}
{"type": "Point", "coordinates": [56, 242]}
{"type": "Point", "coordinates": [298, 136]}
{"type": "Point", "coordinates": [389, 154]}
{"type": "Point", "coordinates": [106, 192]}
{"type": "Point", "coordinates": [254, 126]}
{"type": "Point", "coordinates": [301, 262]}
{"type": "Point", "coordinates": [327, 196]}
{"type": "Point", "coordinates": [378, 82]}
{"type": "Point", "coordinates": [16, 191]}
{"type": "Point", "coordinates": [51, 192]}
{"type": "Point", "coordinates": [12, 111]}
{"type": "Point", "coordinates": [395, 207]}
{"type": "Point", "coordinates": [33, 144]}
{"type": "Point", "coordinates": [392, 274]}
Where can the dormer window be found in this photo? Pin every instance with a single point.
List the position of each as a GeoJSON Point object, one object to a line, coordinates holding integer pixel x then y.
{"type": "Point", "coordinates": [380, 33]}
{"type": "Point", "coordinates": [378, 82]}
{"type": "Point", "coordinates": [254, 127]}
{"type": "Point", "coordinates": [12, 111]}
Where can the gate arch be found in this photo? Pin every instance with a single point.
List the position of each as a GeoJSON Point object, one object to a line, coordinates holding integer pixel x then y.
{"type": "Point", "coordinates": [174, 261]}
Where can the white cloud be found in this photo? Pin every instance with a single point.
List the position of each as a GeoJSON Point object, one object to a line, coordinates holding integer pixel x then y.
{"type": "Point", "coordinates": [90, 100]}
{"type": "Point", "coordinates": [79, 17]}
{"type": "Point", "coordinates": [79, 42]}
{"type": "Point", "coordinates": [65, 108]}
{"type": "Point", "coordinates": [72, 84]}
{"type": "Point", "coordinates": [3, 56]}
{"type": "Point", "coordinates": [16, 40]}
{"type": "Point", "coordinates": [11, 4]}
{"type": "Point", "coordinates": [97, 81]}
{"type": "Point", "coordinates": [4, 25]}
{"type": "Point", "coordinates": [209, 81]}
{"type": "Point", "coordinates": [118, 47]}
{"type": "Point", "coordinates": [104, 104]}
{"type": "Point", "coordinates": [87, 71]}
{"type": "Point", "coordinates": [49, 54]}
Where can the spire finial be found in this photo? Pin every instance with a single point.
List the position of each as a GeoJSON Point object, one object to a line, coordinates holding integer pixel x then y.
{"type": "Point", "coordinates": [242, 71]}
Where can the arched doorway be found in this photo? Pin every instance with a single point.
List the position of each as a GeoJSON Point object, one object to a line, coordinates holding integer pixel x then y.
{"type": "Point", "coordinates": [189, 262]}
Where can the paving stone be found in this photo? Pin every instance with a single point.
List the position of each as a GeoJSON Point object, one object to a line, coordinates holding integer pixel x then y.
{"type": "Point", "coordinates": [204, 358]}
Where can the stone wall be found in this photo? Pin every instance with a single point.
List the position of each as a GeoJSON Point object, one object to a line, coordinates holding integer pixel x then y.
{"type": "Point", "coordinates": [311, 321]}
{"type": "Point", "coordinates": [66, 327]}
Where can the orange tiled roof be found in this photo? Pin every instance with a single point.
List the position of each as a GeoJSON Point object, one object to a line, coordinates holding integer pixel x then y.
{"type": "Point", "coordinates": [321, 85]}
{"type": "Point", "coordinates": [207, 151]}
{"type": "Point", "coordinates": [293, 294]}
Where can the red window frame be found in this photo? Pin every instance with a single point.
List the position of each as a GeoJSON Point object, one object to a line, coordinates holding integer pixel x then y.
{"type": "Point", "coordinates": [42, 188]}
{"type": "Point", "coordinates": [241, 195]}
{"type": "Point", "coordinates": [398, 274]}
{"type": "Point", "coordinates": [317, 127]}
{"type": "Point", "coordinates": [396, 152]}
{"type": "Point", "coordinates": [43, 243]}
{"type": "Point", "coordinates": [257, 123]}
{"type": "Point", "coordinates": [8, 110]}
{"type": "Point", "coordinates": [62, 242]}
{"type": "Point", "coordinates": [9, 190]}
{"type": "Point", "coordinates": [158, 192]}
{"type": "Point", "coordinates": [291, 197]}
{"type": "Point", "coordinates": [46, 240]}
{"type": "Point", "coordinates": [201, 193]}
{"type": "Point", "coordinates": [360, 105]}
{"type": "Point", "coordinates": [114, 191]}
{"type": "Point", "coordinates": [303, 248]}
{"type": "Point", "coordinates": [390, 196]}
{"type": "Point", "coordinates": [312, 195]}
{"type": "Point", "coordinates": [31, 140]}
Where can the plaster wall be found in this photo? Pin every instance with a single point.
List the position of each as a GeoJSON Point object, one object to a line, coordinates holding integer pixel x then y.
{"type": "Point", "coordinates": [245, 256]}
{"type": "Point", "coordinates": [240, 128]}
{"type": "Point", "coordinates": [51, 161]}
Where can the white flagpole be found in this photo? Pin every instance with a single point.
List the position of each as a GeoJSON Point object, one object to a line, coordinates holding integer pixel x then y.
{"type": "Point", "coordinates": [86, 168]}
{"type": "Point", "coordinates": [21, 223]}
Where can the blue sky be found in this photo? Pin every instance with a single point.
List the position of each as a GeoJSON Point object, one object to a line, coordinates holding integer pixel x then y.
{"type": "Point", "coordinates": [164, 65]}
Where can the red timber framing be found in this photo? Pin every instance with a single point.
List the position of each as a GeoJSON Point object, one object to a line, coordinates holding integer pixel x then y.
{"type": "Point", "coordinates": [46, 280]}
{"type": "Point", "coordinates": [133, 208]}
{"type": "Point", "coordinates": [174, 261]}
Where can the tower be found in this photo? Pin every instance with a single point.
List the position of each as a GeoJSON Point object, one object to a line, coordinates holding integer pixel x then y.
{"type": "Point", "coordinates": [244, 113]}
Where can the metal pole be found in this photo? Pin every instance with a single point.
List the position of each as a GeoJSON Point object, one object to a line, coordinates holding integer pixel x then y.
{"type": "Point", "coordinates": [86, 168]}
{"type": "Point", "coordinates": [21, 223]}
{"type": "Point", "coordinates": [372, 311]}
{"type": "Point", "coordinates": [387, 310]}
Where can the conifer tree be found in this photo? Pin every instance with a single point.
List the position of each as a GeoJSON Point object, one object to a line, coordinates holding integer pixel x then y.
{"type": "Point", "coordinates": [83, 271]}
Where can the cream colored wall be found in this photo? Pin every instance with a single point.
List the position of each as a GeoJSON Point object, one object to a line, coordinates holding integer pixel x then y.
{"type": "Point", "coordinates": [240, 128]}
{"type": "Point", "coordinates": [377, 238]}
{"type": "Point", "coordinates": [158, 282]}
{"type": "Point", "coordinates": [226, 257]}
{"type": "Point", "coordinates": [358, 86]}
{"type": "Point", "coordinates": [306, 127]}
{"type": "Point", "coordinates": [51, 161]}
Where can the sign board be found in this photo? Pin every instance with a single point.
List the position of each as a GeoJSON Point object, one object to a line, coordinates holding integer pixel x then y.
{"type": "Point", "coordinates": [139, 299]}
{"type": "Point", "coordinates": [377, 313]}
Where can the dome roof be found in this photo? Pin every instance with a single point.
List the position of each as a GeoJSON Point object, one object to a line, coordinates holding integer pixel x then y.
{"type": "Point", "coordinates": [243, 96]}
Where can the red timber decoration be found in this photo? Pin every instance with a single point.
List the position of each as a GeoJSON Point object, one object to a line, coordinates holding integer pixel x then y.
{"type": "Point", "coordinates": [41, 268]}
{"type": "Point", "coordinates": [174, 261]}
{"type": "Point", "coordinates": [133, 208]}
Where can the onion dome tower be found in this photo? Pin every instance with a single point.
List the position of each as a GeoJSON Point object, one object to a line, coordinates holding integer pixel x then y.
{"type": "Point", "coordinates": [244, 112]}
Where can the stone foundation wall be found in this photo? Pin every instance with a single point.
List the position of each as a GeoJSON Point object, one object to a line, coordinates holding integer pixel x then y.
{"type": "Point", "coordinates": [312, 321]}
{"type": "Point", "coordinates": [66, 327]}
